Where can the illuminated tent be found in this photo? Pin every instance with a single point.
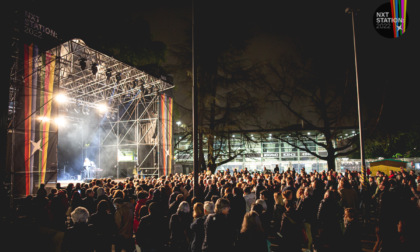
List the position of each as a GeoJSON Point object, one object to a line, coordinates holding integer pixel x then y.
{"type": "Point", "coordinates": [386, 165]}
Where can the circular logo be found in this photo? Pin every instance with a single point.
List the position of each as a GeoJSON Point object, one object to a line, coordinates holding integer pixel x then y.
{"type": "Point", "coordinates": [391, 19]}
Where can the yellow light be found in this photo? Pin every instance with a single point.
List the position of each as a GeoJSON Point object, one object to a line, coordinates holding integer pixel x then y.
{"type": "Point", "coordinates": [102, 108]}
{"type": "Point", "coordinates": [60, 121]}
{"type": "Point", "coordinates": [61, 98]}
{"type": "Point", "coordinates": [44, 119]}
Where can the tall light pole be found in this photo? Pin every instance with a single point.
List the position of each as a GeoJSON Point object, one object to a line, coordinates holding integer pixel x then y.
{"type": "Point", "coordinates": [194, 107]}
{"type": "Point", "coordinates": [362, 152]}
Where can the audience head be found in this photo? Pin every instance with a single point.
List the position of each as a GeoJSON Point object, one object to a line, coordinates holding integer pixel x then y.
{"type": "Point", "coordinates": [287, 195]}
{"type": "Point", "coordinates": [262, 203]}
{"type": "Point", "coordinates": [222, 206]}
{"type": "Point", "coordinates": [257, 208]}
{"type": "Point", "coordinates": [198, 210]}
{"type": "Point", "coordinates": [103, 206]}
{"type": "Point", "coordinates": [80, 215]}
{"type": "Point", "coordinates": [278, 199]}
{"type": "Point", "coordinates": [184, 207]}
{"type": "Point", "coordinates": [251, 222]}
{"type": "Point", "coordinates": [208, 207]}
{"type": "Point", "coordinates": [143, 211]}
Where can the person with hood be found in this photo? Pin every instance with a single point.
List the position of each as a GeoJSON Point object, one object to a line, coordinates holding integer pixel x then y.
{"type": "Point", "coordinates": [124, 219]}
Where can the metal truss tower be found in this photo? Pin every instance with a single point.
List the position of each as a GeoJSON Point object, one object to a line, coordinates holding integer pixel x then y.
{"type": "Point", "coordinates": [91, 79]}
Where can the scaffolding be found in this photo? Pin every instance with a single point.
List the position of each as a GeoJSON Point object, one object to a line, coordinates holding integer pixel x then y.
{"type": "Point", "coordinates": [91, 79]}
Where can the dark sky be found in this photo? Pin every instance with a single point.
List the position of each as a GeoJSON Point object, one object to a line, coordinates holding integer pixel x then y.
{"type": "Point", "coordinates": [319, 30]}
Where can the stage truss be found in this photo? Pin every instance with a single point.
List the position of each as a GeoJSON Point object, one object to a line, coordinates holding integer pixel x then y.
{"type": "Point", "coordinates": [91, 79]}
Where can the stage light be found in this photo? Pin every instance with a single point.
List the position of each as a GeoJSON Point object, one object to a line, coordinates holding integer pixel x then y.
{"type": "Point", "coordinates": [82, 63]}
{"type": "Point", "coordinates": [118, 77]}
{"type": "Point", "coordinates": [60, 121]}
{"type": "Point", "coordinates": [44, 119]}
{"type": "Point", "coordinates": [108, 73]}
{"type": "Point", "coordinates": [61, 98]}
{"type": "Point", "coordinates": [94, 68]}
{"type": "Point", "coordinates": [102, 108]}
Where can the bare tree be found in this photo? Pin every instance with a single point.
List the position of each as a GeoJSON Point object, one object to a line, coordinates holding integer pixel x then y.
{"type": "Point", "coordinates": [312, 103]}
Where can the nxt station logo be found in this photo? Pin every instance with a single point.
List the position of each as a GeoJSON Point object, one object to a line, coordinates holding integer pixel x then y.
{"type": "Point", "coordinates": [391, 19]}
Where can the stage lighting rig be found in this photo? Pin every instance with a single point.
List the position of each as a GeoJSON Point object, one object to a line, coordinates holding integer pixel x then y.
{"type": "Point", "coordinates": [94, 68]}
{"type": "Point", "coordinates": [118, 77]}
{"type": "Point", "coordinates": [108, 73]}
{"type": "Point", "coordinates": [82, 63]}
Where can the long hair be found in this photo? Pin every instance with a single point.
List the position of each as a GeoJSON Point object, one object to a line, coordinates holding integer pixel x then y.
{"type": "Point", "coordinates": [198, 210]}
{"type": "Point", "coordinates": [184, 207]}
{"type": "Point", "coordinates": [252, 222]}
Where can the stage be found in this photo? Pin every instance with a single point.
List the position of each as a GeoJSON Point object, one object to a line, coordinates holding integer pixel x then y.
{"type": "Point", "coordinates": [91, 107]}
{"type": "Point", "coordinates": [64, 183]}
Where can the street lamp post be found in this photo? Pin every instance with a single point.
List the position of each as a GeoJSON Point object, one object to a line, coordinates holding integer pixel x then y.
{"type": "Point", "coordinates": [362, 152]}
{"type": "Point", "coordinates": [194, 106]}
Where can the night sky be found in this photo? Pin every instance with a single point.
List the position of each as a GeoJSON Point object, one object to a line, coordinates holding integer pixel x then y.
{"type": "Point", "coordinates": [319, 30]}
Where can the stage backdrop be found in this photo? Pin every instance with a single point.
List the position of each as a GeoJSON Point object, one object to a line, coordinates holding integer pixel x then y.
{"type": "Point", "coordinates": [165, 152]}
{"type": "Point", "coordinates": [35, 134]}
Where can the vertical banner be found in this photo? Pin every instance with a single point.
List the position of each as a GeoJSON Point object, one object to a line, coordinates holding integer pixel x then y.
{"type": "Point", "coordinates": [35, 139]}
{"type": "Point", "coordinates": [166, 152]}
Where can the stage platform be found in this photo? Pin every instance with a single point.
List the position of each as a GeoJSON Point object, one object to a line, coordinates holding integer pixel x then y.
{"type": "Point", "coordinates": [64, 183]}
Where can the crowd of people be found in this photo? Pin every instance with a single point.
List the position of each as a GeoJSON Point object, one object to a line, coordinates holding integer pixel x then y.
{"type": "Point", "coordinates": [233, 211]}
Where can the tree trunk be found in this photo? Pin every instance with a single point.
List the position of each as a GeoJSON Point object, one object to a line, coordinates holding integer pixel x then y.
{"type": "Point", "coordinates": [331, 162]}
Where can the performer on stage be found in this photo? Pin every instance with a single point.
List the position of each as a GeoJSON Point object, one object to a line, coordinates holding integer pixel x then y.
{"type": "Point", "coordinates": [87, 167]}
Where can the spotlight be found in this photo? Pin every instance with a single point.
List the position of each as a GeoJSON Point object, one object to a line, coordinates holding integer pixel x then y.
{"type": "Point", "coordinates": [94, 68]}
{"type": "Point", "coordinates": [102, 108]}
{"type": "Point", "coordinates": [44, 119]}
{"type": "Point", "coordinates": [82, 63]}
{"type": "Point", "coordinates": [118, 77]}
{"type": "Point", "coordinates": [60, 121]}
{"type": "Point", "coordinates": [61, 98]}
{"type": "Point", "coordinates": [108, 73]}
